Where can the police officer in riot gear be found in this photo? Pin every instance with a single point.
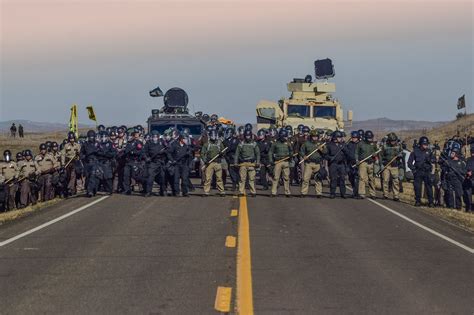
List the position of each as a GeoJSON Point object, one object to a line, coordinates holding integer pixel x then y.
{"type": "Point", "coordinates": [468, 184]}
{"type": "Point", "coordinates": [421, 163]}
{"type": "Point", "coordinates": [264, 144]}
{"type": "Point", "coordinates": [133, 154]}
{"type": "Point", "coordinates": [156, 156]}
{"type": "Point", "coordinates": [106, 155]}
{"type": "Point", "coordinates": [247, 156]}
{"type": "Point", "coordinates": [89, 156]}
{"type": "Point", "coordinates": [180, 156]}
{"type": "Point", "coordinates": [353, 172]}
{"type": "Point", "coordinates": [337, 156]}
{"type": "Point", "coordinates": [279, 155]}
{"type": "Point", "coordinates": [455, 171]}
{"type": "Point", "coordinates": [231, 142]}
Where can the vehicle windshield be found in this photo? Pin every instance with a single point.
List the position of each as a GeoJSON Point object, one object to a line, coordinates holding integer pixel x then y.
{"type": "Point", "coordinates": [266, 112]}
{"type": "Point", "coordinates": [324, 111]}
{"type": "Point", "coordinates": [194, 130]}
{"type": "Point", "coordinates": [298, 110]}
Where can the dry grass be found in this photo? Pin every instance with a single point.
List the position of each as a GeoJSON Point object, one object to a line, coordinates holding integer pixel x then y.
{"type": "Point", "coordinates": [16, 214]}
{"type": "Point", "coordinates": [30, 141]}
{"type": "Point", "coordinates": [459, 218]}
{"type": "Point", "coordinates": [460, 127]}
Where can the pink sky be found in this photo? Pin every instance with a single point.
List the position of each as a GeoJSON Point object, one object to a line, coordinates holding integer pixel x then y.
{"type": "Point", "coordinates": [44, 29]}
{"type": "Point", "coordinates": [387, 54]}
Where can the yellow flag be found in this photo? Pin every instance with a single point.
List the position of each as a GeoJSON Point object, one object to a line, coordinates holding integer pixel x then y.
{"type": "Point", "coordinates": [90, 111]}
{"type": "Point", "coordinates": [73, 120]}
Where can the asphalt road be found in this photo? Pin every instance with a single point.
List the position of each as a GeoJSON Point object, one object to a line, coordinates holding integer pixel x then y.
{"type": "Point", "coordinates": [164, 255]}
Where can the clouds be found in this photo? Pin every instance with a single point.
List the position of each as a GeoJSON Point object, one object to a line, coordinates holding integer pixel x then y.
{"type": "Point", "coordinates": [229, 54]}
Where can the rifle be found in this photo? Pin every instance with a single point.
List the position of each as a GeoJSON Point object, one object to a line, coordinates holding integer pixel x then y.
{"type": "Point", "coordinates": [203, 168]}
{"type": "Point", "coordinates": [314, 151]}
{"type": "Point", "coordinates": [366, 158]}
{"type": "Point", "coordinates": [388, 164]}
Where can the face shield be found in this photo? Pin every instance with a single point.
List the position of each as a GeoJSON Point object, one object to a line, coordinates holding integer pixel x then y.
{"type": "Point", "coordinates": [7, 157]}
{"type": "Point", "coordinates": [155, 138]}
{"type": "Point", "coordinates": [104, 138]}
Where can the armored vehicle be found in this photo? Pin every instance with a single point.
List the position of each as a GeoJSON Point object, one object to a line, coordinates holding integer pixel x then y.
{"type": "Point", "coordinates": [311, 103]}
{"type": "Point", "coordinates": [174, 113]}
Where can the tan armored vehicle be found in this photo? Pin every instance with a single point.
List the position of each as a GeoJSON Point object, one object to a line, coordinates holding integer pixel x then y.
{"type": "Point", "coordinates": [311, 103]}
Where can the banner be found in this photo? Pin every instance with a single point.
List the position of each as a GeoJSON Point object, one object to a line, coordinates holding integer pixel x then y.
{"type": "Point", "coordinates": [73, 121]}
{"type": "Point", "coordinates": [90, 111]}
{"type": "Point", "coordinates": [462, 102]}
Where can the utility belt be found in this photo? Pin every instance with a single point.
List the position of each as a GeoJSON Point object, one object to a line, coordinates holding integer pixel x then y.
{"type": "Point", "coordinates": [252, 160]}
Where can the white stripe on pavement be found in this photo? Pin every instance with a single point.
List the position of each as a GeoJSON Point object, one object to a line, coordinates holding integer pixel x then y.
{"type": "Point", "coordinates": [466, 248]}
{"type": "Point", "coordinates": [42, 226]}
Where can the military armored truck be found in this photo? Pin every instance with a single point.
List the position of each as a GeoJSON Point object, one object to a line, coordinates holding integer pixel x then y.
{"type": "Point", "coordinates": [174, 113]}
{"type": "Point", "coordinates": [311, 103]}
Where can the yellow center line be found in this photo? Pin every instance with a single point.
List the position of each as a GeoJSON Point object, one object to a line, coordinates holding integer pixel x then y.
{"type": "Point", "coordinates": [230, 241]}
{"type": "Point", "coordinates": [244, 295]}
{"type": "Point", "coordinates": [222, 302]}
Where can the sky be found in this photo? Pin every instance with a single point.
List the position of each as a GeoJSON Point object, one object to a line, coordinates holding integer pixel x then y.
{"type": "Point", "coordinates": [401, 59]}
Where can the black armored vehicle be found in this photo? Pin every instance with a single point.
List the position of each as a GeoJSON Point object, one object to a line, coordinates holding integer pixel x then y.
{"type": "Point", "coordinates": [174, 113]}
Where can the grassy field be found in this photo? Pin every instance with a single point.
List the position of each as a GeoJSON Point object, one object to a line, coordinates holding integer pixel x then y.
{"type": "Point", "coordinates": [462, 127]}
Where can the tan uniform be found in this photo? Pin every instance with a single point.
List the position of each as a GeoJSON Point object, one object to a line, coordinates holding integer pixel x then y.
{"type": "Point", "coordinates": [244, 171]}
{"type": "Point", "coordinates": [69, 152]}
{"type": "Point", "coordinates": [46, 165]}
{"type": "Point", "coordinates": [279, 169]}
{"type": "Point", "coordinates": [24, 170]}
{"type": "Point", "coordinates": [309, 170]}
{"type": "Point", "coordinates": [366, 176]}
{"type": "Point", "coordinates": [8, 172]}
{"type": "Point", "coordinates": [214, 169]}
{"type": "Point", "coordinates": [394, 173]}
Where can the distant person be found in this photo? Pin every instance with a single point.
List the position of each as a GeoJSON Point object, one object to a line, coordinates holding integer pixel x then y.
{"type": "Point", "coordinates": [20, 131]}
{"type": "Point", "coordinates": [13, 130]}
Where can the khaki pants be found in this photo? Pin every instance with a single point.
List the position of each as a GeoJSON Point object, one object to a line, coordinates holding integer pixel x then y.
{"type": "Point", "coordinates": [366, 176]}
{"type": "Point", "coordinates": [388, 172]}
{"type": "Point", "coordinates": [243, 171]}
{"type": "Point", "coordinates": [214, 168]}
{"type": "Point", "coordinates": [282, 167]}
{"type": "Point", "coordinates": [309, 170]}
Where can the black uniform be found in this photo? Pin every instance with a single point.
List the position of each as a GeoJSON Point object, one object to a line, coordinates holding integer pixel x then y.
{"type": "Point", "coordinates": [181, 154]}
{"type": "Point", "coordinates": [421, 163]}
{"type": "Point", "coordinates": [232, 144]}
{"type": "Point", "coordinates": [353, 172]}
{"type": "Point", "coordinates": [468, 184]}
{"type": "Point", "coordinates": [156, 155]}
{"type": "Point", "coordinates": [336, 156]}
{"type": "Point", "coordinates": [454, 174]}
{"type": "Point", "coordinates": [89, 157]}
{"type": "Point", "coordinates": [106, 156]}
{"type": "Point", "coordinates": [133, 154]}
{"type": "Point", "coordinates": [264, 147]}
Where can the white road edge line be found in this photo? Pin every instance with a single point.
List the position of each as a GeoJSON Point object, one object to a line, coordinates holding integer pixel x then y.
{"type": "Point", "coordinates": [466, 248]}
{"type": "Point", "coordinates": [42, 226]}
